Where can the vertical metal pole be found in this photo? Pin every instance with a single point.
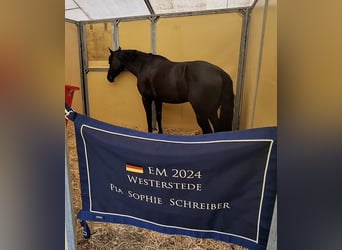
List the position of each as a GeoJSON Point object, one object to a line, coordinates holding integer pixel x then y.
{"type": "Point", "coordinates": [272, 237]}
{"type": "Point", "coordinates": [153, 33]}
{"type": "Point", "coordinates": [241, 68]}
{"type": "Point", "coordinates": [84, 66]}
{"type": "Point", "coordinates": [115, 31]}
{"type": "Point", "coordinates": [69, 214]}
{"type": "Point", "coordinates": [153, 51]}
{"type": "Point", "coordinates": [259, 63]}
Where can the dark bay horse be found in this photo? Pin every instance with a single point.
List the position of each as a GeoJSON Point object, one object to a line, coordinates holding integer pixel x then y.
{"type": "Point", "coordinates": [204, 85]}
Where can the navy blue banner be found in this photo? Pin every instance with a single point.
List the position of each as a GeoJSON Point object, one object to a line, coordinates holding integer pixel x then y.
{"type": "Point", "coordinates": [220, 186]}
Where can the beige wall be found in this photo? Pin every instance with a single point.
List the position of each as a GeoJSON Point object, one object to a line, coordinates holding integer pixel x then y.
{"type": "Point", "coordinates": [99, 39]}
{"type": "Point", "coordinates": [72, 64]}
{"type": "Point", "coordinates": [259, 102]}
{"type": "Point", "coordinates": [117, 103]}
{"type": "Point", "coordinates": [213, 38]}
{"type": "Point", "coordinates": [266, 100]}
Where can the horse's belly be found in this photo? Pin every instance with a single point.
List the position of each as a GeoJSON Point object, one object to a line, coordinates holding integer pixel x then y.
{"type": "Point", "coordinates": [170, 87]}
{"type": "Point", "coordinates": [172, 93]}
{"type": "Point", "coordinates": [174, 99]}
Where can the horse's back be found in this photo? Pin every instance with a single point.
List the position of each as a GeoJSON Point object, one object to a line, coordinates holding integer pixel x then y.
{"type": "Point", "coordinates": [206, 83]}
{"type": "Point", "coordinates": [203, 68]}
{"type": "Point", "coordinates": [204, 75]}
{"type": "Point", "coordinates": [178, 82]}
{"type": "Point", "coordinates": [165, 80]}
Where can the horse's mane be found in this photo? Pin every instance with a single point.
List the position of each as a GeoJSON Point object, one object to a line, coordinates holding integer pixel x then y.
{"type": "Point", "coordinates": [132, 55]}
{"type": "Point", "coordinates": [155, 55]}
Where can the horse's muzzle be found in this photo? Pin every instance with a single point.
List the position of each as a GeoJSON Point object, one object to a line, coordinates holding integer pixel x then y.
{"type": "Point", "coordinates": [110, 78]}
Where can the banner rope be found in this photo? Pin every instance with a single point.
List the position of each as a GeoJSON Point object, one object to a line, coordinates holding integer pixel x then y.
{"type": "Point", "coordinates": [69, 113]}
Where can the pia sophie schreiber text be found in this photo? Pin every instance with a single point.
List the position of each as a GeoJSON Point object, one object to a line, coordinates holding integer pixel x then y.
{"type": "Point", "coordinates": [177, 175]}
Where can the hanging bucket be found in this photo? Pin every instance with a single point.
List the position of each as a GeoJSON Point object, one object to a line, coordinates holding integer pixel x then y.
{"type": "Point", "coordinates": [69, 94]}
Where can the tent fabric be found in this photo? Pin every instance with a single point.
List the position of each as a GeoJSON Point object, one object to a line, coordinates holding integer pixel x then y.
{"type": "Point", "coordinates": [86, 10]}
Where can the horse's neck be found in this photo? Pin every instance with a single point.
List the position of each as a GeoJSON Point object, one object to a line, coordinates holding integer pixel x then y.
{"type": "Point", "coordinates": [134, 61]}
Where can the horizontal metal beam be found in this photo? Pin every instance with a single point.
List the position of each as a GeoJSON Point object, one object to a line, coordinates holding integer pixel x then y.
{"type": "Point", "coordinates": [70, 21]}
{"type": "Point", "coordinates": [168, 15]}
{"type": "Point", "coordinates": [98, 69]}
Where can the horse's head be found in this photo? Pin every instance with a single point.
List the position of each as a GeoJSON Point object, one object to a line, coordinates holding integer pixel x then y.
{"type": "Point", "coordinates": [115, 65]}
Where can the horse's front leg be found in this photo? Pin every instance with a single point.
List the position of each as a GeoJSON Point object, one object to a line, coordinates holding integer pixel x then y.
{"type": "Point", "coordinates": [159, 115]}
{"type": "Point", "coordinates": [148, 110]}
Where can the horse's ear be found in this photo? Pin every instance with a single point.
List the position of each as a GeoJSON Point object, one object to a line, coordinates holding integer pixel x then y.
{"type": "Point", "coordinates": [119, 48]}
{"type": "Point", "coordinates": [111, 51]}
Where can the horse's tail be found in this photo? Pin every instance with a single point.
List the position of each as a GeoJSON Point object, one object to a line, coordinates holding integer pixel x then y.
{"type": "Point", "coordinates": [227, 104]}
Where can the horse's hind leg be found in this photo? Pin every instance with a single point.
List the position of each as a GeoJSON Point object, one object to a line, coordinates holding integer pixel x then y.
{"type": "Point", "coordinates": [203, 122]}
{"type": "Point", "coordinates": [159, 115]}
{"type": "Point", "coordinates": [215, 121]}
{"type": "Point", "coordinates": [202, 118]}
{"type": "Point", "coordinates": [148, 110]}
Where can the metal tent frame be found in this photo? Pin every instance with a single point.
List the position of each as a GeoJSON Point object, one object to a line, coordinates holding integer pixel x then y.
{"type": "Point", "coordinates": [153, 17]}
{"type": "Point", "coordinates": [150, 13]}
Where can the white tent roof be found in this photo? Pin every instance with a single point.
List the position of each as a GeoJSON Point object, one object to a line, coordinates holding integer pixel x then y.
{"type": "Point", "coordinates": [91, 10]}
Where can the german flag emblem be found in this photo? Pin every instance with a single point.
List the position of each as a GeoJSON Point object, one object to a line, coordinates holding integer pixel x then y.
{"type": "Point", "coordinates": [134, 169]}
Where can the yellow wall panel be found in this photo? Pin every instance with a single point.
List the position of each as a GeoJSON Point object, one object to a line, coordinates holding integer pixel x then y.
{"type": "Point", "coordinates": [117, 103]}
{"type": "Point", "coordinates": [99, 38]}
{"type": "Point", "coordinates": [120, 103]}
{"type": "Point", "coordinates": [259, 103]}
{"type": "Point", "coordinates": [135, 35]}
{"type": "Point", "coordinates": [266, 101]}
{"type": "Point", "coordinates": [254, 47]}
{"type": "Point", "coordinates": [72, 64]}
{"type": "Point", "coordinates": [212, 38]}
